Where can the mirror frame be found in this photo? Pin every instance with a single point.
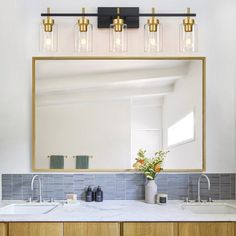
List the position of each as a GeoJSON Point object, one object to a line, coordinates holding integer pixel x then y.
{"type": "Point", "coordinates": [203, 61]}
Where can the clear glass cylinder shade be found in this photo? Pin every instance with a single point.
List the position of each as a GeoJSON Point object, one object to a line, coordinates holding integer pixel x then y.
{"type": "Point", "coordinates": [153, 40]}
{"type": "Point", "coordinates": [188, 40]}
{"type": "Point", "coordinates": [48, 40]}
{"type": "Point", "coordinates": [84, 40]}
{"type": "Point", "coordinates": [118, 40]}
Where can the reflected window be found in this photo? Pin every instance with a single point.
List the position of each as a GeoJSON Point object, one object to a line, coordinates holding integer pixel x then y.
{"type": "Point", "coordinates": [181, 131]}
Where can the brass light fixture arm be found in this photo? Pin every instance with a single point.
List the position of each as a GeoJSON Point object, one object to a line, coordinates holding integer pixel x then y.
{"type": "Point", "coordinates": [118, 22]}
{"type": "Point", "coordinates": [83, 22]}
{"type": "Point", "coordinates": [153, 22]}
{"type": "Point", "coordinates": [188, 22]}
{"type": "Point", "coordinates": [48, 22]}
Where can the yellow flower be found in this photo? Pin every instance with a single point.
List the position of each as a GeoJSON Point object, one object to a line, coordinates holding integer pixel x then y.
{"type": "Point", "coordinates": [141, 162]}
{"type": "Point", "coordinates": [136, 165]}
{"type": "Point", "coordinates": [157, 168]}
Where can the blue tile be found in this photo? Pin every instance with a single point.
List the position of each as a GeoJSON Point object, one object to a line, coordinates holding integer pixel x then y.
{"type": "Point", "coordinates": [117, 186]}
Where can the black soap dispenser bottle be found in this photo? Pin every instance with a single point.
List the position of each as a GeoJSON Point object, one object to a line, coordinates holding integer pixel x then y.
{"type": "Point", "coordinates": [89, 195]}
{"type": "Point", "coordinates": [99, 194]}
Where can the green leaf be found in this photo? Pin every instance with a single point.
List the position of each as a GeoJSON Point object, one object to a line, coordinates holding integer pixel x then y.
{"type": "Point", "coordinates": [149, 177]}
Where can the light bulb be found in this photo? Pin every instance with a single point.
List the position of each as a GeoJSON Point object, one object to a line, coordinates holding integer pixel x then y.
{"type": "Point", "coordinates": [48, 35]}
{"type": "Point", "coordinates": [153, 42]}
{"type": "Point", "coordinates": [118, 41]}
{"type": "Point", "coordinates": [83, 42]}
{"type": "Point", "coordinates": [83, 39]}
{"type": "Point", "coordinates": [188, 41]}
{"type": "Point", "coordinates": [118, 35]}
{"type": "Point", "coordinates": [188, 37]}
{"type": "Point", "coordinates": [48, 41]}
{"type": "Point", "coordinates": [153, 34]}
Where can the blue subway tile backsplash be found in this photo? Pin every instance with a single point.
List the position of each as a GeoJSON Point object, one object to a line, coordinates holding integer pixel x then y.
{"type": "Point", "coordinates": [124, 186]}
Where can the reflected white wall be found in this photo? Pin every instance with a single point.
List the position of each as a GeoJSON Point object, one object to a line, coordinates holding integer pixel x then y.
{"type": "Point", "coordinates": [185, 98]}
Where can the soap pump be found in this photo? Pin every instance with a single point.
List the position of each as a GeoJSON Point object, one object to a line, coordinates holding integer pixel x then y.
{"type": "Point", "coordinates": [89, 194]}
{"type": "Point", "coordinates": [99, 194]}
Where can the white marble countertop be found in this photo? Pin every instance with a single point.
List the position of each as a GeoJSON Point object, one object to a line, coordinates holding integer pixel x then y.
{"type": "Point", "coordinates": [118, 211]}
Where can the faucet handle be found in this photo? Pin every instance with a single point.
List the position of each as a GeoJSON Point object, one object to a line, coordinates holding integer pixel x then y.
{"type": "Point", "coordinates": [51, 199]}
{"type": "Point", "coordinates": [186, 199]}
{"type": "Point", "coordinates": [29, 200]}
{"type": "Point", "coordinates": [209, 199]}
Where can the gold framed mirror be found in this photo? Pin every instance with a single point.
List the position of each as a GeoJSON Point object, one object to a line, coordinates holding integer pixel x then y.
{"type": "Point", "coordinates": [92, 114]}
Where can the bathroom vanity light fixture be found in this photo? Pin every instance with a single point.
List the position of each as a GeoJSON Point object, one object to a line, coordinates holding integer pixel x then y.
{"type": "Point", "coordinates": [153, 34]}
{"type": "Point", "coordinates": [119, 20]}
{"type": "Point", "coordinates": [83, 34]}
{"type": "Point", "coordinates": [118, 34]}
{"type": "Point", "coordinates": [48, 34]}
{"type": "Point", "coordinates": [188, 35]}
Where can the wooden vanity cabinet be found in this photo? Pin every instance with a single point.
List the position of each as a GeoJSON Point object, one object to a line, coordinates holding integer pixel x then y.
{"type": "Point", "coordinates": [118, 229]}
{"type": "Point", "coordinates": [3, 229]}
{"type": "Point", "coordinates": [150, 229]}
{"type": "Point", "coordinates": [92, 229]}
{"type": "Point", "coordinates": [35, 229]}
{"type": "Point", "coordinates": [206, 229]}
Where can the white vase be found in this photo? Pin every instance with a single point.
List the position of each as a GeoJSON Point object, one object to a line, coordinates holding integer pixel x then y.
{"type": "Point", "coordinates": [150, 192]}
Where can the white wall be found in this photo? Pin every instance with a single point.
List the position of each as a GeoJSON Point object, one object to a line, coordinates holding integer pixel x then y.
{"type": "Point", "coordinates": [185, 98]}
{"type": "Point", "coordinates": [146, 125]}
{"type": "Point", "coordinates": [19, 42]}
{"type": "Point", "coordinates": [98, 128]}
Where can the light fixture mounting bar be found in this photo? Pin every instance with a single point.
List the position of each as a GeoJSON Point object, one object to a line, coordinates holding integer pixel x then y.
{"type": "Point", "coordinates": [121, 15]}
{"type": "Point", "coordinates": [69, 14]}
{"type": "Point", "coordinates": [168, 14]}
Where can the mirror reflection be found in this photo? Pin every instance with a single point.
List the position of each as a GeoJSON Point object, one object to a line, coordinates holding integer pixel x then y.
{"type": "Point", "coordinates": [97, 114]}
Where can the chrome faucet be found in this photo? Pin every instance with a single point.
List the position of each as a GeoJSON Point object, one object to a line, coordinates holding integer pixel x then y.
{"type": "Point", "coordinates": [199, 188]}
{"type": "Point", "coordinates": [40, 187]}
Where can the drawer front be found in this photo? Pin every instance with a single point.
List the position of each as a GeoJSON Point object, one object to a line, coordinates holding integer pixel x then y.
{"type": "Point", "coordinates": [206, 229]}
{"type": "Point", "coordinates": [35, 229]}
{"type": "Point", "coordinates": [91, 229]}
{"type": "Point", "coordinates": [150, 229]}
{"type": "Point", "coordinates": [3, 229]}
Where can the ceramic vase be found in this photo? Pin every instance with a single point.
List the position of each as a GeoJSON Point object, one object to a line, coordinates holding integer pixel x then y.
{"type": "Point", "coordinates": [150, 192]}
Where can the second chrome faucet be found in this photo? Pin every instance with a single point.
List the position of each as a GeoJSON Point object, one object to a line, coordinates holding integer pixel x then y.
{"type": "Point", "coordinates": [199, 188]}
{"type": "Point", "coordinates": [40, 199]}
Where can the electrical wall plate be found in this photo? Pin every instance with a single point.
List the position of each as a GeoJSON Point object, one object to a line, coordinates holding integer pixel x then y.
{"type": "Point", "coordinates": [107, 14]}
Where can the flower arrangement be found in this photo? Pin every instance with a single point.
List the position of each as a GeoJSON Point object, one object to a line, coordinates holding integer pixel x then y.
{"type": "Point", "coordinates": [150, 166]}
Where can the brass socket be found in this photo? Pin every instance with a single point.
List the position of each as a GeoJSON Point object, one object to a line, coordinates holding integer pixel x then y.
{"type": "Point", "coordinates": [153, 24]}
{"type": "Point", "coordinates": [48, 24]}
{"type": "Point", "coordinates": [83, 24]}
{"type": "Point", "coordinates": [118, 22]}
{"type": "Point", "coordinates": [188, 24]}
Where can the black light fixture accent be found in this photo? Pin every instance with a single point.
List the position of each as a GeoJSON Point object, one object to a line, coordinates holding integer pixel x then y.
{"type": "Point", "coordinates": [107, 14]}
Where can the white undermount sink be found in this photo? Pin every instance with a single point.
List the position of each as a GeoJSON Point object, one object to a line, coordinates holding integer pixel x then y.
{"type": "Point", "coordinates": [210, 208]}
{"type": "Point", "coordinates": [27, 209]}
